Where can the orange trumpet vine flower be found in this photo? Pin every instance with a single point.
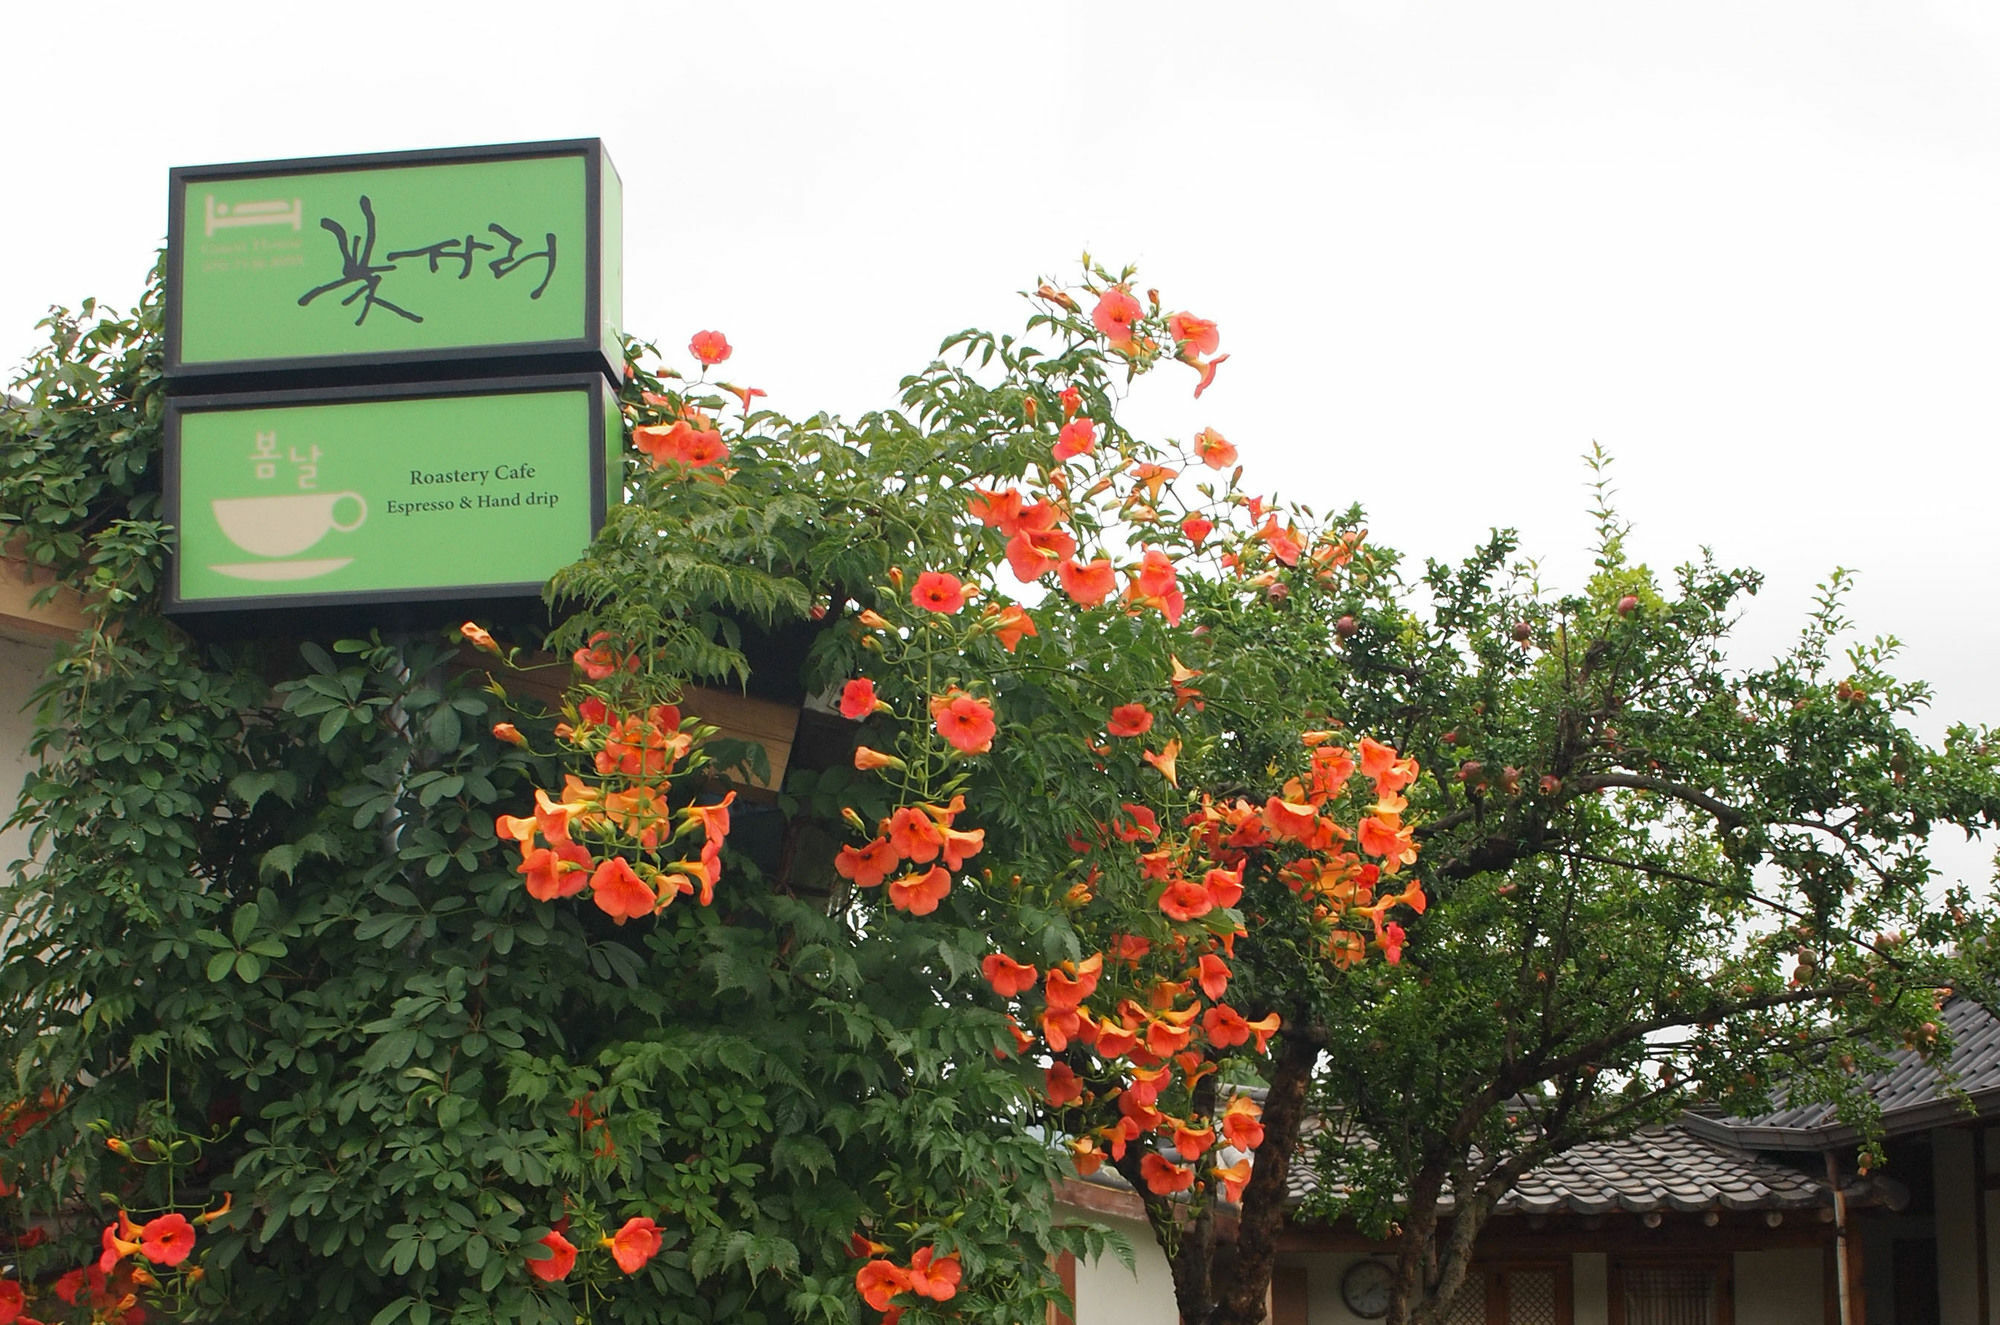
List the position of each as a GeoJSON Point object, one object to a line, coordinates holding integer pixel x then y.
{"type": "Point", "coordinates": [1114, 315]}
{"type": "Point", "coordinates": [620, 893]}
{"type": "Point", "coordinates": [635, 1243]}
{"type": "Point", "coordinates": [866, 866]}
{"type": "Point", "coordinates": [933, 1276]}
{"type": "Point", "coordinates": [867, 760]}
{"type": "Point", "coordinates": [1090, 583]}
{"type": "Point", "coordinates": [936, 591]}
{"type": "Point", "coordinates": [964, 721]}
{"type": "Point", "coordinates": [1062, 990]}
{"type": "Point", "coordinates": [1239, 1123]}
{"type": "Point", "coordinates": [919, 894]}
{"type": "Point", "coordinates": [1164, 1178]}
{"type": "Point", "coordinates": [1007, 976]}
{"type": "Point", "coordinates": [1130, 720]}
{"type": "Point", "coordinates": [1234, 1179]}
{"type": "Point", "coordinates": [1011, 625]}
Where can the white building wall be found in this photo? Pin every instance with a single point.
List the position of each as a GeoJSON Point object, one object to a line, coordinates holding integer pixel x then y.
{"type": "Point", "coordinates": [21, 667]}
{"type": "Point", "coordinates": [1957, 1187]}
{"type": "Point", "coordinates": [1779, 1287]}
{"type": "Point", "coordinates": [1109, 1294]}
{"type": "Point", "coordinates": [1323, 1304]}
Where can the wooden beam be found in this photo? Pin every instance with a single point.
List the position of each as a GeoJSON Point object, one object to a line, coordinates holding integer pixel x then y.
{"type": "Point", "coordinates": [61, 618]}
{"type": "Point", "coordinates": [543, 678]}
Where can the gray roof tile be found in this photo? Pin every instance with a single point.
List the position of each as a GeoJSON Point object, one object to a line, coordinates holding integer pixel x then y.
{"type": "Point", "coordinates": [1913, 1094]}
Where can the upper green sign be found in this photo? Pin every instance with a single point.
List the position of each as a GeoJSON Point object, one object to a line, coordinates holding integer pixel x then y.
{"type": "Point", "coordinates": [352, 268]}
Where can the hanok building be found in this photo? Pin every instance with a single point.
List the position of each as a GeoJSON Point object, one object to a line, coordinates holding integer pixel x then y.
{"type": "Point", "coordinates": [1714, 1221]}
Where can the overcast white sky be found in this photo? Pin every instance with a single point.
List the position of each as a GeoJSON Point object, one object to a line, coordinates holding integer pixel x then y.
{"type": "Point", "coordinates": [1750, 247]}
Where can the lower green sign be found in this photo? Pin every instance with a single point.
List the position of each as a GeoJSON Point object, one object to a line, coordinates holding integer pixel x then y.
{"type": "Point", "coordinates": [441, 492]}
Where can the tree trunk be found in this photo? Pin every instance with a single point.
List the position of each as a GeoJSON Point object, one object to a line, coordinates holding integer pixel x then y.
{"type": "Point", "coordinates": [1238, 1278]}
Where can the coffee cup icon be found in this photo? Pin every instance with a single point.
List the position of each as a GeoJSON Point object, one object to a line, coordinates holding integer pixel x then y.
{"type": "Point", "coordinates": [286, 526]}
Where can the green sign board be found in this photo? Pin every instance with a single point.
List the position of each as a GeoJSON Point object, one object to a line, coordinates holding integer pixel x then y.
{"type": "Point", "coordinates": [344, 269]}
{"type": "Point", "coordinates": [366, 496]}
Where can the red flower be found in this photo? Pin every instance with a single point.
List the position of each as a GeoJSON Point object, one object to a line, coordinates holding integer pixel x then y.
{"type": "Point", "coordinates": [1012, 625]}
{"type": "Point", "coordinates": [1284, 543]}
{"type": "Point", "coordinates": [599, 660]}
{"type": "Point", "coordinates": [1032, 554]}
{"type": "Point", "coordinates": [935, 591]}
{"type": "Point", "coordinates": [919, 894]}
{"type": "Point", "coordinates": [958, 846]}
{"type": "Point", "coordinates": [634, 1244]}
{"type": "Point", "coordinates": [120, 1240]}
{"type": "Point", "coordinates": [1154, 583]}
{"type": "Point", "coordinates": [1007, 976]}
{"type": "Point", "coordinates": [709, 347]}
{"type": "Point", "coordinates": [879, 1280]}
{"type": "Point", "coordinates": [1163, 1178]}
{"type": "Point", "coordinates": [1078, 437]}
{"type": "Point", "coordinates": [1197, 529]}
{"type": "Point", "coordinates": [1130, 720]}
{"type": "Point", "coordinates": [1193, 334]}
{"type": "Point", "coordinates": [1072, 401]}
{"type": "Point", "coordinates": [1186, 900]}
{"type": "Point", "coordinates": [1393, 940]}
{"type": "Point", "coordinates": [1088, 584]}
{"type": "Point", "coordinates": [857, 699]}
{"type": "Point", "coordinates": [1213, 973]}
{"type": "Point", "coordinates": [1234, 1179]}
{"type": "Point", "coordinates": [558, 1263]}
{"type": "Point", "coordinates": [1290, 821]}
{"type": "Point", "coordinates": [867, 760]}
{"type": "Point", "coordinates": [866, 866]}
{"type": "Point", "coordinates": [1239, 1123]}
{"type": "Point", "coordinates": [1224, 886]}
{"type": "Point", "coordinates": [914, 835]}
{"type": "Point", "coordinates": [1062, 990]}
{"type": "Point", "coordinates": [1144, 825]}
{"type": "Point", "coordinates": [1191, 1141]}
{"type": "Point", "coordinates": [12, 1301]}
{"type": "Point", "coordinates": [620, 893]}
{"type": "Point", "coordinates": [996, 510]}
{"type": "Point", "coordinates": [936, 1279]}
{"type": "Point", "coordinates": [554, 872]}
{"type": "Point", "coordinates": [1214, 449]}
{"type": "Point", "coordinates": [964, 721]}
{"type": "Point", "coordinates": [1225, 1026]}
{"type": "Point", "coordinates": [1114, 315]}
{"type": "Point", "coordinates": [167, 1240]}
{"type": "Point", "coordinates": [1062, 1085]}
{"type": "Point", "coordinates": [1207, 371]}
{"type": "Point", "coordinates": [704, 448]}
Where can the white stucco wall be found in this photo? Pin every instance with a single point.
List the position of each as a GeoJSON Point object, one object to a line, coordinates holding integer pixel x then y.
{"type": "Point", "coordinates": [1779, 1287]}
{"type": "Point", "coordinates": [21, 666]}
{"type": "Point", "coordinates": [1109, 1294]}
{"type": "Point", "coordinates": [1323, 1304]}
